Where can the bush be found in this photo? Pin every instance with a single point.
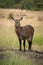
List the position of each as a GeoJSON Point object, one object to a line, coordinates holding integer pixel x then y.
{"type": "Point", "coordinates": [22, 4]}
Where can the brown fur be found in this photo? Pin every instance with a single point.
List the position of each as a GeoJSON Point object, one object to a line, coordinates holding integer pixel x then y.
{"type": "Point", "coordinates": [24, 33]}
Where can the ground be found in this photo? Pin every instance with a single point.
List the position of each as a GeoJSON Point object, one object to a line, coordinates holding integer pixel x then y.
{"type": "Point", "coordinates": [32, 57]}
{"type": "Point", "coordinates": [9, 45]}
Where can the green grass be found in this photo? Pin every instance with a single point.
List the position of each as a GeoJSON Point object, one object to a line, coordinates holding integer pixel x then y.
{"type": "Point", "coordinates": [38, 39]}
{"type": "Point", "coordinates": [8, 38]}
{"type": "Point", "coordinates": [38, 36]}
{"type": "Point", "coordinates": [12, 58]}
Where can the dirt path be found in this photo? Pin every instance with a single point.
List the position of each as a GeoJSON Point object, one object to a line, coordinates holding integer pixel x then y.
{"type": "Point", "coordinates": [34, 55]}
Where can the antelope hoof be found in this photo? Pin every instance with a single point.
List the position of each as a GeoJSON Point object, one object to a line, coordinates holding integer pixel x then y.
{"type": "Point", "coordinates": [24, 50]}
{"type": "Point", "coordinates": [20, 50]}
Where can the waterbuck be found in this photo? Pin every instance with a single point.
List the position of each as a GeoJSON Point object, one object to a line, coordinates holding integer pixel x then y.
{"type": "Point", "coordinates": [23, 33]}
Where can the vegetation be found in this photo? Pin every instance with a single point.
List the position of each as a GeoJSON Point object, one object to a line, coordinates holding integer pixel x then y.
{"type": "Point", "coordinates": [9, 54]}
{"type": "Point", "coordinates": [8, 38]}
{"type": "Point", "coordinates": [22, 4]}
{"type": "Point", "coordinates": [12, 58]}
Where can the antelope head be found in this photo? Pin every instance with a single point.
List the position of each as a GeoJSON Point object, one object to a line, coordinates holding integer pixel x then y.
{"type": "Point", "coordinates": [17, 21]}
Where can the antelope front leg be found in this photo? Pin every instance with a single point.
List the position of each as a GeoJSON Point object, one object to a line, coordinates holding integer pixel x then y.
{"type": "Point", "coordinates": [20, 44]}
{"type": "Point", "coordinates": [30, 44]}
{"type": "Point", "coordinates": [24, 44]}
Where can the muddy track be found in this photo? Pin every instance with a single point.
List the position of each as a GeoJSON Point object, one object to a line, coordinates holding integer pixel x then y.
{"type": "Point", "coordinates": [34, 55]}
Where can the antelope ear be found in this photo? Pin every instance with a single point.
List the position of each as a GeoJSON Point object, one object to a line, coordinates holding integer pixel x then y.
{"type": "Point", "coordinates": [12, 18]}
{"type": "Point", "coordinates": [21, 18]}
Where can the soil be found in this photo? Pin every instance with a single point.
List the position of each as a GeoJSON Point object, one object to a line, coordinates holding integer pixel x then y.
{"type": "Point", "coordinates": [33, 55]}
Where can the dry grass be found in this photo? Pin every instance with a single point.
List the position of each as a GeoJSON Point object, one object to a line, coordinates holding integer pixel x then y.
{"type": "Point", "coordinates": [9, 41]}
{"type": "Point", "coordinates": [7, 32]}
